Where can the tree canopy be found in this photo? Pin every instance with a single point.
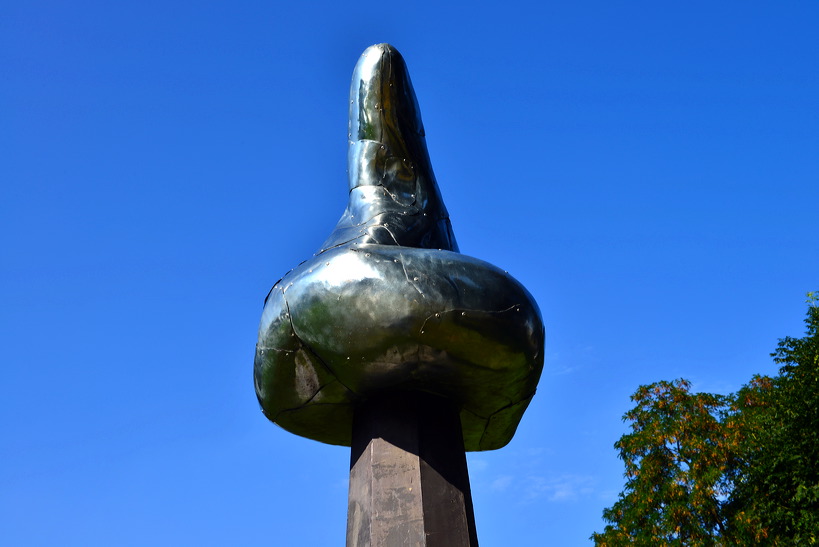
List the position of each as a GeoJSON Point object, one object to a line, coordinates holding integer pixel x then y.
{"type": "Point", "coordinates": [709, 469]}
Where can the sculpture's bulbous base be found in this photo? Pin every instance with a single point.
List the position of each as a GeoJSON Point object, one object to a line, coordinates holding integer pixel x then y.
{"type": "Point", "coordinates": [363, 320]}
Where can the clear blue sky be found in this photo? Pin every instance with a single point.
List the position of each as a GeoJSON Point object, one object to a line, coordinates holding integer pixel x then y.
{"type": "Point", "coordinates": [650, 172]}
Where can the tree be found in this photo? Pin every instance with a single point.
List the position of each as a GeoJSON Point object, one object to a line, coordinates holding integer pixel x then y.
{"type": "Point", "coordinates": [706, 469]}
{"type": "Point", "coordinates": [678, 457]}
{"type": "Point", "coordinates": [778, 483]}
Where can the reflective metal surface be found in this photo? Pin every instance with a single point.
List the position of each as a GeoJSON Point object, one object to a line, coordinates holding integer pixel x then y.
{"type": "Point", "coordinates": [387, 303]}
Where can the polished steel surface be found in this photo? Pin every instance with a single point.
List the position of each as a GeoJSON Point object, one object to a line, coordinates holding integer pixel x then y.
{"type": "Point", "coordinates": [388, 303]}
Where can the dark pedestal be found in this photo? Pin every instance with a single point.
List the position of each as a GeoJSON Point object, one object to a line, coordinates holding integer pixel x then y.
{"type": "Point", "coordinates": [409, 484]}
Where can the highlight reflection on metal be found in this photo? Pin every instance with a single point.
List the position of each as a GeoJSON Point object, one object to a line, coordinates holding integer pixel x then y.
{"type": "Point", "coordinates": [388, 303]}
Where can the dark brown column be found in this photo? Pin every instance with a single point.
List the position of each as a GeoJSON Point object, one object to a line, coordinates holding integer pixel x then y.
{"type": "Point", "coordinates": [409, 484]}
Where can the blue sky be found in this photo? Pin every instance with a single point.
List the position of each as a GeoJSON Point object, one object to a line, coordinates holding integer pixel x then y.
{"type": "Point", "coordinates": [649, 171]}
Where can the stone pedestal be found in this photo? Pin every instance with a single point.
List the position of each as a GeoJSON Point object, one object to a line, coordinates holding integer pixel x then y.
{"type": "Point", "coordinates": [409, 484]}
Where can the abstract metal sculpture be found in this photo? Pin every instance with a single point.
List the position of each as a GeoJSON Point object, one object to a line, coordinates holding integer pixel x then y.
{"type": "Point", "coordinates": [388, 321]}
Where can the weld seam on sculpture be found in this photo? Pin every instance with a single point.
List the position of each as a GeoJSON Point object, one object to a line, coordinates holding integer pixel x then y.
{"type": "Point", "coordinates": [403, 311]}
{"type": "Point", "coordinates": [321, 361]}
{"type": "Point", "coordinates": [464, 311]}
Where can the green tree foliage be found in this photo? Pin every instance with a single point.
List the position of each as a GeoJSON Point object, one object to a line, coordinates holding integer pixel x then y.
{"type": "Point", "coordinates": [678, 456]}
{"type": "Point", "coordinates": [778, 483]}
{"type": "Point", "coordinates": [741, 469]}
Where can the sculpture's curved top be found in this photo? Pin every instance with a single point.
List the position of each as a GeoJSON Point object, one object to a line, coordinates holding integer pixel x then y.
{"type": "Point", "coordinates": [394, 199]}
{"type": "Point", "coordinates": [388, 304]}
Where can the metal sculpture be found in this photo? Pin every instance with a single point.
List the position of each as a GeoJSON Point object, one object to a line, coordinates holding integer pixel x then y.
{"type": "Point", "coordinates": [388, 310]}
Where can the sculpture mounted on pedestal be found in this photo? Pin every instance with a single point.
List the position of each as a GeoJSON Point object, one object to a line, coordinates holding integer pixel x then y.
{"type": "Point", "coordinates": [388, 310]}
